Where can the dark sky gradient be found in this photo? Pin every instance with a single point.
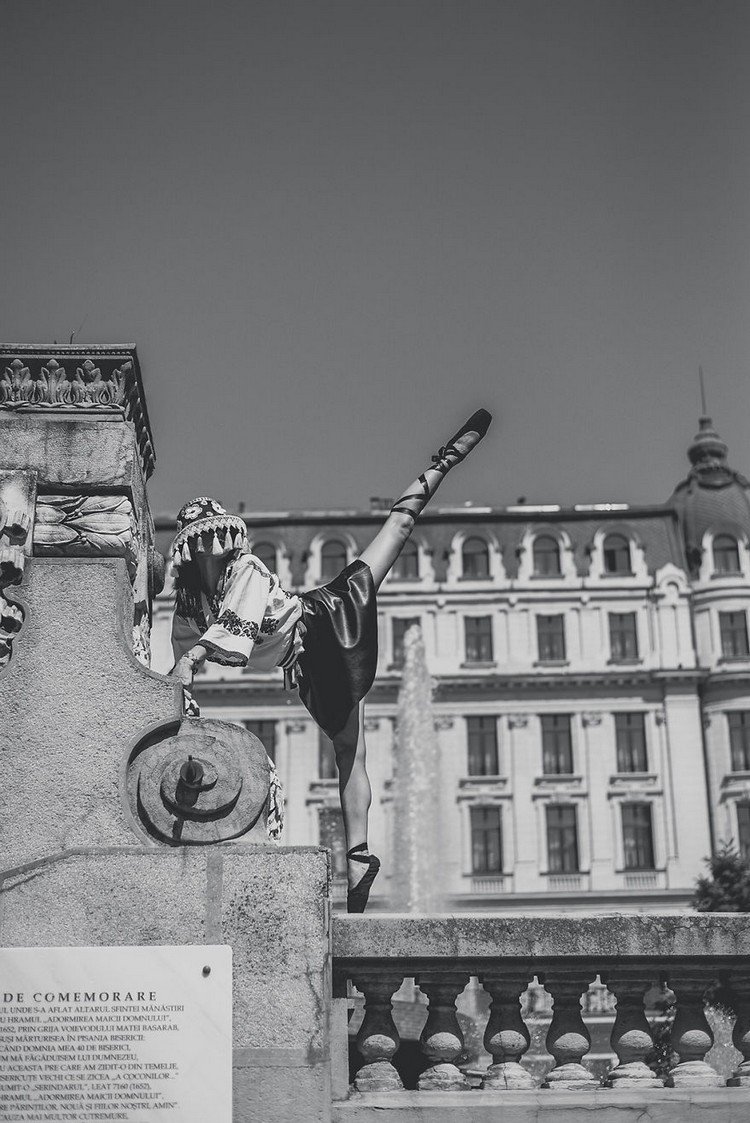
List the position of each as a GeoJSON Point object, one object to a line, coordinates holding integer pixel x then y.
{"type": "Point", "coordinates": [333, 229]}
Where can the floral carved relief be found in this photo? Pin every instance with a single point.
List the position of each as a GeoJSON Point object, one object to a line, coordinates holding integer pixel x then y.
{"type": "Point", "coordinates": [53, 389]}
{"type": "Point", "coordinates": [86, 524]}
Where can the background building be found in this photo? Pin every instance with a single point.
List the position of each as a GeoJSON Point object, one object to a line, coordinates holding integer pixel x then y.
{"type": "Point", "coordinates": [592, 689]}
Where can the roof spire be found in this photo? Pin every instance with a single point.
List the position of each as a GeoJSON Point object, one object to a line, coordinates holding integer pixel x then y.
{"type": "Point", "coordinates": [704, 408]}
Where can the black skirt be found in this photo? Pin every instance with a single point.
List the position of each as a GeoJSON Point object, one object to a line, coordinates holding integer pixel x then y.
{"type": "Point", "coordinates": [340, 657]}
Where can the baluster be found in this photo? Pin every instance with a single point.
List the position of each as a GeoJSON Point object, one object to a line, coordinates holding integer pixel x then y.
{"type": "Point", "coordinates": [441, 1039]}
{"type": "Point", "coordinates": [506, 1037]}
{"type": "Point", "coordinates": [631, 1038]}
{"type": "Point", "coordinates": [691, 1036]}
{"type": "Point", "coordinates": [740, 988]}
{"type": "Point", "coordinates": [568, 1040]}
{"type": "Point", "coordinates": [378, 1039]}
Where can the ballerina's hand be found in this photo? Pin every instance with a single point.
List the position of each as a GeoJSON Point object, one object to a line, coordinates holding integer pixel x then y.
{"type": "Point", "coordinates": [185, 670]}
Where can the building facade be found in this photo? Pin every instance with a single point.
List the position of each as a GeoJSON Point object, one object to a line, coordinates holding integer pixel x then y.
{"type": "Point", "coordinates": [592, 690]}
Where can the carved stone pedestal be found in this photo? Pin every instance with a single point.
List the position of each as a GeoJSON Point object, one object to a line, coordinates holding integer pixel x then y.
{"type": "Point", "coordinates": [692, 1036]}
{"type": "Point", "coordinates": [741, 1033]}
{"type": "Point", "coordinates": [378, 1040]}
{"type": "Point", "coordinates": [442, 1040]}
{"type": "Point", "coordinates": [568, 1039]}
{"type": "Point", "coordinates": [631, 1038]}
{"type": "Point", "coordinates": [506, 1037]}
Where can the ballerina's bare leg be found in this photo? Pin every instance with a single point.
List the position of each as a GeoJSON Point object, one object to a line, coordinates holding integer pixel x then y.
{"type": "Point", "coordinates": [380, 555]}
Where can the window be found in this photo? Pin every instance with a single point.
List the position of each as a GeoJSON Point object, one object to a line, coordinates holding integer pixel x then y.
{"type": "Point", "coordinates": [406, 565]}
{"type": "Point", "coordinates": [630, 737]}
{"type": "Point", "coordinates": [623, 636]}
{"type": "Point", "coordinates": [482, 740]}
{"type": "Point", "coordinates": [266, 552]}
{"type": "Point", "coordinates": [478, 634]}
{"type": "Point", "coordinates": [400, 628]}
{"type": "Point", "coordinates": [331, 835]}
{"type": "Point", "coordinates": [486, 840]}
{"type": "Point", "coordinates": [557, 745]}
{"type": "Point", "coordinates": [327, 769]}
{"type": "Point", "coordinates": [739, 739]}
{"type": "Point", "coordinates": [562, 838]}
{"type": "Point", "coordinates": [546, 556]}
{"type": "Point", "coordinates": [637, 836]}
{"type": "Point", "coordinates": [550, 633]}
{"type": "Point", "coordinates": [733, 628]}
{"type": "Point", "coordinates": [616, 551]}
{"type": "Point", "coordinates": [726, 554]}
{"type": "Point", "coordinates": [265, 731]}
{"type": "Point", "coordinates": [332, 559]}
{"type": "Point", "coordinates": [475, 558]}
{"type": "Point", "coordinates": [743, 829]}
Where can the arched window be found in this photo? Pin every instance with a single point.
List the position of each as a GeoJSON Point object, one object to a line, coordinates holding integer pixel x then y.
{"type": "Point", "coordinates": [546, 556]}
{"type": "Point", "coordinates": [726, 554]}
{"type": "Point", "coordinates": [475, 558]}
{"type": "Point", "coordinates": [332, 559]}
{"type": "Point", "coordinates": [266, 552]}
{"type": "Point", "coordinates": [616, 554]}
{"type": "Point", "coordinates": [406, 566]}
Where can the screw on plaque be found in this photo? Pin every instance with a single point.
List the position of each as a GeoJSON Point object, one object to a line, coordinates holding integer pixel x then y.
{"type": "Point", "coordinates": [206, 971]}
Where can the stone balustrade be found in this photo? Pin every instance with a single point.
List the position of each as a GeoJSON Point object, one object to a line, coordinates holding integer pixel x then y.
{"type": "Point", "coordinates": [630, 953]}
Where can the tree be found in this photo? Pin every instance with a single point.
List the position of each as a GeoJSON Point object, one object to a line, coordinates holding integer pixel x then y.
{"type": "Point", "coordinates": [727, 888]}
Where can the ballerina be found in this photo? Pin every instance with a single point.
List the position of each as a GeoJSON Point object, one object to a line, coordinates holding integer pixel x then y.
{"type": "Point", "coordinates": [230, 609]}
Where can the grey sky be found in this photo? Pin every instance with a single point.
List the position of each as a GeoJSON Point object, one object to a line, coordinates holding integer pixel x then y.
{"type": "Point", "coordinates": [335, 229]}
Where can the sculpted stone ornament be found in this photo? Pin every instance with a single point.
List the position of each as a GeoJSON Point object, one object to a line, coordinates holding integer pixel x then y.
{"type": "Point", "coordinates": [199, 782]}
{"type": "Point", "coordinates": [66, 378]}
{"type": "Point", "coordinates": [85, 524]}
{"type": "Point", "coordinates": [17, 491]}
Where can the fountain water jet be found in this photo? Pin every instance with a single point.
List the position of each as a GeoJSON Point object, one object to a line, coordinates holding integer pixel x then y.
{"type": "Point", "coordinates": [416, 885]}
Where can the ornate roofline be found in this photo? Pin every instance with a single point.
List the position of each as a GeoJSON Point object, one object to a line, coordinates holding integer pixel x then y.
{"type": "Point", "coordinates": [68, 377]}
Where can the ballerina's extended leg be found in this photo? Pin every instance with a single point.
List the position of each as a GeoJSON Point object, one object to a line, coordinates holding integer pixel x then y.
{"type": "Point", "coordinates": [349, 745]}
{"type": "Point", "coordinates": [388, 543]}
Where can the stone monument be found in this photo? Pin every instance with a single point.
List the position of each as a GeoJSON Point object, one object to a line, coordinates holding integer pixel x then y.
{"type": "Point", "coordinates": [120, 822]}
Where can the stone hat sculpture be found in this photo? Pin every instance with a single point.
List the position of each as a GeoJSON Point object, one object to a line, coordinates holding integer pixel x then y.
{"type": "Point", "coordinates": [204, 526]}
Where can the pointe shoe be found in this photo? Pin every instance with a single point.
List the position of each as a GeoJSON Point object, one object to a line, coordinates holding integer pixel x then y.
{"type": "Point", "coordinates": [445, 459]}
{"type": "Point", "coordinates": [357, 896]}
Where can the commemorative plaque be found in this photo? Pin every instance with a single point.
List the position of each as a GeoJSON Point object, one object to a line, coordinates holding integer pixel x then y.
{"type": "Point", "coordinates": [134, 1034]}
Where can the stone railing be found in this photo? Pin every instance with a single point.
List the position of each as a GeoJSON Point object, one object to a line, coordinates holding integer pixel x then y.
{"type": "Point", "coordinates": [631, 953]}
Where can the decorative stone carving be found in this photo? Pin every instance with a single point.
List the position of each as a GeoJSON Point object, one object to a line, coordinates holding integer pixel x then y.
{"type": "Point", "coordinates": [64, 378]}
{"type": "Point", "coordinates": [661, 717]}
{"type": "Point", "coordinates": [691, 1036]}
{"type": "Point", "coordinates": [518, 721]}
{"type": "Point", "coordinates": [17, 492]}
{"type": "Point", "coordinates": [378, 1040]}
{"type": "Point", "coordinates": [441, 1039]}
{"type": "Point", "coordinates": [568, 1039]}
{"type": "Point", "coordinates": [631, 1037]}
{"type": "Point", "coordinates": [53, 389]}
{"type": "Point", "coordinates": [86, 524]}
{"type": "Point", "coordinates": [199, 782]}
{"type": "Point", "coordinates": [296, 727]}
{"type": "Point", "coordinates": [372, 724]}
{"type": "Point", "coordinates": [444, 722]}
{"type": "Point", "coordinates": [506, 1037]}
{"type": "Point", "coordinates": [591, 719]}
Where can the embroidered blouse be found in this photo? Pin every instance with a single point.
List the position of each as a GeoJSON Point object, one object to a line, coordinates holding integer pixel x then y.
{"type": "Point", "coordinates": [250, 623]}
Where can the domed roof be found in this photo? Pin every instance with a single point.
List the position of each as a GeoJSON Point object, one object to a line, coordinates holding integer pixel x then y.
{"type": "Point", "coordinates": [713, 496]}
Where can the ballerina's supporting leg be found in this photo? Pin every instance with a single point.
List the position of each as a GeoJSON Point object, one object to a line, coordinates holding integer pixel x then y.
{"type": "Point", "coordinates": [356, 796]}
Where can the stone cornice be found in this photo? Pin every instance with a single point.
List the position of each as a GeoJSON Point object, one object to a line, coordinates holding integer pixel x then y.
{"type": "Point", "coordinates": [88, 380]}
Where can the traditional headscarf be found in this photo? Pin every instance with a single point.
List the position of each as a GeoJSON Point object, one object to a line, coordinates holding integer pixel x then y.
{"type": "Point", "coordinates": [203, 526]}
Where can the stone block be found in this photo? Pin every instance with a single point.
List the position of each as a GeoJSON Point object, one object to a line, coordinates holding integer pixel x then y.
{"type": "Point", "coordinates": [72, 697]}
